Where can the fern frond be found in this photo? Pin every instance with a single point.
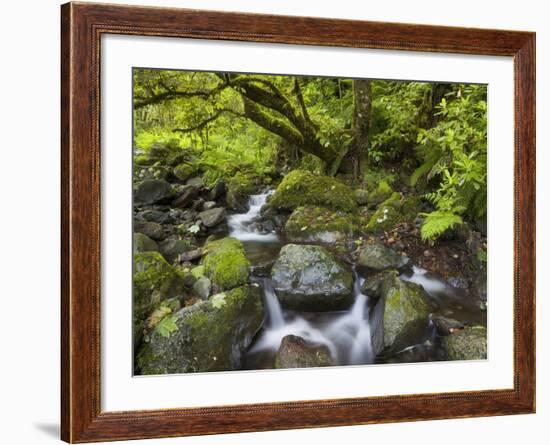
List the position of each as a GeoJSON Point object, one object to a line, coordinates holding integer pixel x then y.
{"type": "Point", "coordinates": [437, 223]}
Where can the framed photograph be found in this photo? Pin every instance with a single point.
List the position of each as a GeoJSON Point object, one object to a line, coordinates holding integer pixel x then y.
{"type": "Point", "coordinates": [274, 222]}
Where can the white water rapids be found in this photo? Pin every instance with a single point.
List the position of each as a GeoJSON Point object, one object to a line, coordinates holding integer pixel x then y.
{"type": "Point", "coordinates": [346, 334]}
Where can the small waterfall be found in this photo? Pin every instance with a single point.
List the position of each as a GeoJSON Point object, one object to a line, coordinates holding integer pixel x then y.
{"type": "Point", "coordinates": [240, 223]}
{"type": "Point", "coordinates": [275, 316]}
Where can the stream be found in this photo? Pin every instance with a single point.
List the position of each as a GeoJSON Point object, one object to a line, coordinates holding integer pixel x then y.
{"type": "Point", "coordinates": [347, 334]}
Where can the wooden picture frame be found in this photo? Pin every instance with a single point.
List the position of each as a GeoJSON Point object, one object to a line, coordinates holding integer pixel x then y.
{"type": "Point", "coordinates": [82, 26]}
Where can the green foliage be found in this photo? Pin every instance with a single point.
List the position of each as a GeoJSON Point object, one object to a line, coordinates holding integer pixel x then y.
{"type": "Point", "coordinates": [438, 222]}
{"type": "Point", "coordinates": [167, 326]}
{"type": "Point", "coordinates": [398, 112]}
{"type": "Point", "coordinates": [455, 153]}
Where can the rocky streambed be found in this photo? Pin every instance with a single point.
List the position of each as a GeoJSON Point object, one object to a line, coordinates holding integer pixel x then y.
{"type": "Point", "coordinates": [298, 276]}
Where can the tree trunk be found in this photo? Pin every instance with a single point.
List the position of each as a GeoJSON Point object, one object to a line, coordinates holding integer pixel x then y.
{"type": "Point", "coordinates": [360, 127]}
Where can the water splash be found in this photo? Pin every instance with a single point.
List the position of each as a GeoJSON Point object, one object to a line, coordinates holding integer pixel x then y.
{"type": "Point", "coordinates": [240, 224]}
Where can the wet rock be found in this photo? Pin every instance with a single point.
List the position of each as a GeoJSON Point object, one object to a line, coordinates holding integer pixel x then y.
{"type": "Point", "coordinates": [152, 215]}
{"type": "Point", "coordinates": [320, 225]}
{"type": "Point", "coordinates": [445, 325]}
{"type": "Point", "coordinates": [153, 191]}
{"type": "Point", "coordinates": [225, 263]}
{"type": "Point", "coordinates": [151, 229]}
{"type": "Point", "coordinates": [458, 282]}
{"type": "Point", "coordinates": [201, 288]}
{"type": "Point", "coordinates": [309, 278]}
{"type": "Point", "coordinates": [218, 191]}
{"type": "Point", "coordinates": [469, 343]}
{"type": "Point", "coordinates": [401, 313]}
{"type": "Point", "coordinates": [295, 352]}
{"type": "Point", "coordinates": [299, 188]}
{"type": "Point", "coordinates": [190, 255]}
{"type": "Point", "coordinates": [142, 243]}
{"type": "Point", "coordinates": [208, 205]}
{"type": "Point", "coordinates": [195, 182]}
{"type": "Point", "coordinates": [187, 194]}
{"type": "Point", "coordinates": [382, 192]}
{"type": "Point", "coordinates": [237, 202]}
{"type": "Point", "coordinates": [212, 217]}
{"type": "Point", "coordinates": [172, 248]}
{"type": "Point", "coordinates": [378, 257]}
{"type": "Point", "coordinates": [210, 335]}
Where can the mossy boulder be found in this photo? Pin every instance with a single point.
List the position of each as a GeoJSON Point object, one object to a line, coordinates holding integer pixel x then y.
{"type": "Point", "coordinates": [469, 343]}
{"type": "Point", "coordinates": [150, 229]}
{"type": "Point", "coordinates": [184, 171]}
{"type": "Point", "coordinates": [153, 191]}
{"type": "Point", "coordinates": [361, 196]}
{"type": "Point", "coordinates": [300, 188]}
{"type": "Point", "coordinates": [319, 224]}
{"type": "Point", "coordinates": [382, 192]}
{"type": "Point", "coordinates": [142, 243]}
{"type": "Point", "coordinates": [401, 313]}
{"type": "Point", "coordinates": [295, 352]}
{"type": "Point", "coordinates": [310, 278]}
{"type": "Point", "coordinates": [225, 263]}
{"type": "Point", "coordinates": [394, 210]}
{"type": "Point", "coordinates": [154, 281]}
{"type": "Point", "coordinates": [376, 256]}
{"type": "Point", "coordinates": [210, 335]}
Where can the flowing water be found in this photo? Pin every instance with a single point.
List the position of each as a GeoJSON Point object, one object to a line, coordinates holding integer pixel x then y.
{"type": "Point", "coordinates": [347, 334]}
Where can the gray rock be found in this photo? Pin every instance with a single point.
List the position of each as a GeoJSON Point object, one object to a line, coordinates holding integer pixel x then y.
{"type": "Point", "coordinates": [195, 182]}
{"type": "Point", "coordinates": [142, 243]}
{"type": "Point", "coordinates": [445, 325]}
{"type": "Point", "coordinates": [191, 255]}
{"type": "Point", "coordinates": [208, 205]}
{"type": "Point", "coordinates": [469, 343]}
{"type": "Point", "coordinates": [151, 229]}
{"type": "Point", "coordinates": [153, 191]}
{"type": "Point", "coordinates": [210, 335]}
{"type": "Point", "coordinates": [218, 191]}
{"type": "Point", "coordinates": [183, 171]}
{"type": "Point", "coordinates": [187, 194]}
{"type": "Point", "coordinates": [171, 248]}
{"type": "Point", "coordinates": [212, 217]}
{"type": "Point", "coordinates": [376, 256]}
{"type": "Point", "coordinates": [401, 314]}
{"type": "Point", "coordinates": [201, 287]}
{"type": "Point", "coordinates": [295, 352]}
{"type": "Point", "coordinates": [309, 278]}
{"type": "Point", "coordinates": [154, 216]}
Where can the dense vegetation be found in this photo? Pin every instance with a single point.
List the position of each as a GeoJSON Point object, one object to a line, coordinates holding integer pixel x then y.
{"type": "Point", "coordinates": [352, 162]}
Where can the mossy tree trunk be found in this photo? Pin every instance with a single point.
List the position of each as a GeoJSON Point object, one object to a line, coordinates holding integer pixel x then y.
{"type": "Point", "coordinates": [360, 127]}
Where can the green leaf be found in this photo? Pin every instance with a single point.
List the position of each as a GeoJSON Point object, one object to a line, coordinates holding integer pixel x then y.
{"type": "Point", "coordinates": [167, 326]}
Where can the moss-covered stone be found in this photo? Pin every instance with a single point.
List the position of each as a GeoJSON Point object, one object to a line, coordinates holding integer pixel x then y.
{"type": "Point", "coordinates": [394, 210]}
{"type": "Point", "coordinates": [142, 243]}
{"type": "Point", "coordinates": [210, 335]}
{"type": "Point", "coordinates": [154, 281]}
{"type": "Point", "coordinates": [361, 196]}
{"type": "Point", "coordinates": [225, 263]}
{"type": "Point", "coordinates": [401, 313]}
{"type": "Point", "coordinates": [299, 188]}
{"type": "Point", "coordinates": [184, 171]}
{"type": "Point", "coordinates": [376, 256]}
{"type": "Point", "coordinates": [382, 192]}
{"type": "Point", "coordinates": [171, 248]}
{"type": "Point", "coordinates": [469, 343]}
{"type": "Point", "coordinates": [310, 278]}
{"type": "Point", "coordinates": [319, 224]}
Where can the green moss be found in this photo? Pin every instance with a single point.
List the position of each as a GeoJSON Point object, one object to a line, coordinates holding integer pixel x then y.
{"type": "Point", "coordinates": [310, 223]}
{"type": "Point", "coordinates": [225, 263]}
{"type": "Point", "coordinates": [300, 188]}
{"type": "Point", "coordinates": [184, 171]}
{"type": "Point", "coordinates": [382, 192]}
{"type": "Point", "coordinates": [209, 337]}
{"type": "Point", "coordinates": [393, 211]}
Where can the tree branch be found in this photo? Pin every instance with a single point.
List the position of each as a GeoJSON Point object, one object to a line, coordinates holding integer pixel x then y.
{"type": "Point", "coordinates": [169, 94]}
{"type": "Point", "coordinates": [205, 122]}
